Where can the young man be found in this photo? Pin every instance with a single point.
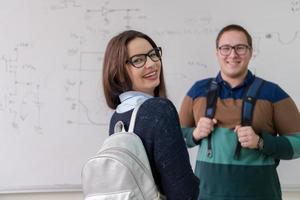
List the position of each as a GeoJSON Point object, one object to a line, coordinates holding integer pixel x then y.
{"type": "Point", "coordinates": [237, 161]}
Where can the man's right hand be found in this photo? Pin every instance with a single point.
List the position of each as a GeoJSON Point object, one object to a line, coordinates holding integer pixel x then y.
{"type": "Point", "coordinates": [204, 127]}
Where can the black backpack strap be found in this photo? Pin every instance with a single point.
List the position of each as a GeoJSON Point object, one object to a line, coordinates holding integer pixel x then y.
{"type": "Point", "coordinates": [248, 107]}
{"type": "Point", "coordinates": [250, 100]}
{"type": "Point", "coordinates": [211, 99]}
{"type": "Point", "coordinates": [211, 102]}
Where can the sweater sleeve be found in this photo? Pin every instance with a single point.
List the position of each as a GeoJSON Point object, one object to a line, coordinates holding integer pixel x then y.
{"type": "Point", "coordinates": [196, 92]}
{"type": "Point", "coordinates": [286, 144]}
{"type": "Point", "coordinates": [186, 113]}
{"type": "Point", "coordinates": [170, 155]}
{"type": "Point", "coordinates": [188, 137]}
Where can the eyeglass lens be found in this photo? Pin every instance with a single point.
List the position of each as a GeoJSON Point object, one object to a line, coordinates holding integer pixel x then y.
{"type": "Point", "coordinates": [140, 59]}
{"type": "Point", "coordinates": [240, 49]}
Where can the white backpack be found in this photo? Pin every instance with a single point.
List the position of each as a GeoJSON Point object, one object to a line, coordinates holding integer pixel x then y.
{"type": "Point", "coordinates": [120, 170]}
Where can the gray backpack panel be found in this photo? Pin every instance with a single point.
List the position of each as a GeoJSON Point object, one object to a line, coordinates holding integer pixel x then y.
{"type": "Point", "coordinates": [120, 170]}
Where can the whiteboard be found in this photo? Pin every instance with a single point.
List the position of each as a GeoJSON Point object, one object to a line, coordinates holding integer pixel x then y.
{"type": "Point", "coordinates": [53, 116]}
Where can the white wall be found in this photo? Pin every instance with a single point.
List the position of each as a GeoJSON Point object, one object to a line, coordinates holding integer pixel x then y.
{"type": "Point", "coordinates": [52, 108]}
{"type": "Point", "coordinates": [79, 196]}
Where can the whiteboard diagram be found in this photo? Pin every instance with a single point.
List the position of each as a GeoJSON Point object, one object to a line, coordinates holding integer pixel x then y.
{"type": "Point", "coordinates": [52, 110]}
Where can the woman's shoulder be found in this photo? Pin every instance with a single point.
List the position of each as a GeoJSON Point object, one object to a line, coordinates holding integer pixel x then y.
{"type": "Point", "coordinates": [158, 110]}
{"type": "Point", "coordinates": [157, 115]}
{"type": "Point", "coordinates": [158, 104]}
{"type": "Point", "coordinates": [159, 101]}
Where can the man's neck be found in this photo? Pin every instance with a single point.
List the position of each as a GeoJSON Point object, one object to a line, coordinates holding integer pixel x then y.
{"type": "Point", "coordinates": [233, 81]}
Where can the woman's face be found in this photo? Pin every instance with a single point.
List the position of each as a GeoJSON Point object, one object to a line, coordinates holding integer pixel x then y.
{"type": "Point", "coordinates": [147, 77]}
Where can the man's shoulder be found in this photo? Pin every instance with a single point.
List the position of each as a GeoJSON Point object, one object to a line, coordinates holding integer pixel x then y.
{"type": "Point", "coordinates": [199, 88]}
{"type": "Point", "coordinates": [271, 91]}
{"type": "Point", "coordinates": [203, 82]}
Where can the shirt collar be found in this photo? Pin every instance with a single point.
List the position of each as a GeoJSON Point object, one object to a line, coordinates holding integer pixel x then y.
{"type": "Point", "coordinates": [130, 99]}
{"type": "Point", "coordinates": [248, 79]}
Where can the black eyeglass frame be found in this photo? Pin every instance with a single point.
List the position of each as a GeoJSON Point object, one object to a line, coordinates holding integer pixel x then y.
{"type": "Point", "coordinates": [157, 50]}
{"type": "Point", "coordinates": [247, 47]}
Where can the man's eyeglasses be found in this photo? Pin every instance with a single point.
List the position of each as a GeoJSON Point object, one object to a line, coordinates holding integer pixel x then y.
{"type": "Point", "coordinates": [240, 49]}
{"type": "Point", "coordinates": [139, 60]}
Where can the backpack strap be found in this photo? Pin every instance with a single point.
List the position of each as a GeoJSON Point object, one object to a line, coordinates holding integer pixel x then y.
{"type": "Point", "coordinates": [211, 99]}
{"type": "Point", "coordinates": [211, 102]}
{"type": "Point", "coordinates": [249, 101]}
{"type": "Point", "coordinates": [133, 117]}
{"type": "Point", "coordinates": [120, 127]}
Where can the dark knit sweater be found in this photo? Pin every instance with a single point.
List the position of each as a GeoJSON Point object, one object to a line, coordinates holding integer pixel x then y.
{"type": "Point", "coordinates": [157, 124]}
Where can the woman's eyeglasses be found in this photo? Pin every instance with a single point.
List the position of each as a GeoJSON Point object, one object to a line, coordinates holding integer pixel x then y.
{"type": "Point", "coordinates": [140, 60]}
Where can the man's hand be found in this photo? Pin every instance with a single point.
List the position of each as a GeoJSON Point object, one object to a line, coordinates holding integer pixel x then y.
{"type": "Point", "coordinates": [246, 136]}
{"type": "Point", "coordinates": [204, 127]}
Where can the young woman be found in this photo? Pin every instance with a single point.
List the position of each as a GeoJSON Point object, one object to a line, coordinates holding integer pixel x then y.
{"type": "Point", "coordinates": [132, 74]}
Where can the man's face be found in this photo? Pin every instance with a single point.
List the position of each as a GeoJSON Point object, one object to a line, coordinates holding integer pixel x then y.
{"type": "Point", "coordinates": [233, 66]}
